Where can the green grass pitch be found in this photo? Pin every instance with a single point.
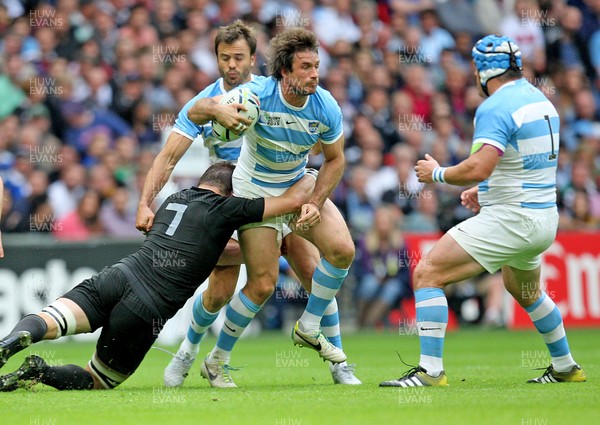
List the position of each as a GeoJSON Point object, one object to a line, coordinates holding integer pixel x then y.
{"type": "Point", "coordinates": [286, 385]}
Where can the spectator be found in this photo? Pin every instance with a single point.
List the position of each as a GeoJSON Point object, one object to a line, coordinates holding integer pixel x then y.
{"type": "Point", "coordinates": [117, 217]}
{"type": "Point", "coordinates": [397, 184]}
{"type": "Point", "coordinates": [138, 28]}
{"type": "Point", "coordinates": [84, 222]}
{"type": "Point", "coordinates": [580, 214]}
{"type": "Point", "coordinates": [411, 9]}
{"type": "Point", "coordinates": [383, 276]}
{"type": "Point", "coordinates": [84, 123]}
{"type": "Point", "coordinates": [128, 97]}
{"type": "Point", "coordinates": [423, 219]}
{"type": "Point", "coordinates": [10, 90]}
{"type": "Point", "coordinates": [524, 27]}
{"type": "Point", "coordinates": [65, 193]}
{"type": "Point", "coordinates": [569, 49]}
{"type": "Point", "coordinates": [459, 16]}
{"type": "Point", "coordinates": [594, 52]}
{"type": "Point", "coordinates": [418, 88]}
{"type": "Point", "coordinates": [434, 39]}
{"type": "Point", "coordinates": [581, 182]}
{"type": "Point", "coordinates": [29, 208]}
{"type": "Point", "coordinates": [357, 208]}
{"type": "Point", "coordinates": [102, 181]}
{"type": "Point", "coordinates": [377, 110]}
{"type": "Point", "coordinates": [335, 22]}
{"type": "Point", "coordinates": [166, 18]}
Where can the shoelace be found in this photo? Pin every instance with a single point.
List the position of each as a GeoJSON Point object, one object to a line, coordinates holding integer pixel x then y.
{"type": "Point", "coordinates": [185, 358]}
{"type": "Point", "coordinates": [349, 368]}
{"type": "Point", "coordinates": [328, 345]}
{"type": "Point", "coordinates": [410, 372]}
{"type": "Point", "coordinates": [226, 369]}
{"type": "Point", "coordinates": [547, 370]}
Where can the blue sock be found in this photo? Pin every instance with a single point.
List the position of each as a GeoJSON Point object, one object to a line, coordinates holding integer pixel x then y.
{"type": "Point", "coordinates": [432, 319]}
{"type": "Point", "coordinates": [326, 282]}
{"type": "Point", "coordinates": [240, 312]}
{"type": "Point", "coordinates": [330, 324]}
{"type": "Point", "coordinates": [201, 321]}
{"type": "Point", "coordinates": [548, 321]}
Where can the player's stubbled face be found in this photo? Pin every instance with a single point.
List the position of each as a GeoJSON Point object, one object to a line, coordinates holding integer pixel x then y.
{"type": "Point", "coordinates": [235, 62]}
{"type": "Point", "coordinates": [304, 77]}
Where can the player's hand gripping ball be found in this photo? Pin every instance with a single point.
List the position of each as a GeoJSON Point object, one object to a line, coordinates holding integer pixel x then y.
{"type": "Point", "coordinates": [252, 104]}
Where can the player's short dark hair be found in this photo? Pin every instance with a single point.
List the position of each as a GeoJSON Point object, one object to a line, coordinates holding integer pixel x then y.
{"type": "Point", "coordinates": [219, 176]}
{"type": "Point", "coordinates": [285, 45]}
{"type": "Point", "coordinates": [233, 32]}
{"type": "Point", "coordinates": [511, 74]}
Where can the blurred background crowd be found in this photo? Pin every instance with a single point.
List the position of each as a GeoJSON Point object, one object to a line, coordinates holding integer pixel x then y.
{"type": "Point", "coordinates": [89, 90]}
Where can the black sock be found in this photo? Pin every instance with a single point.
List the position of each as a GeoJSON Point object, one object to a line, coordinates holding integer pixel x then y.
{"type": "Point", "coordinates": [33, 324]}
{"type": "Point", "coordinates": [69, 377]}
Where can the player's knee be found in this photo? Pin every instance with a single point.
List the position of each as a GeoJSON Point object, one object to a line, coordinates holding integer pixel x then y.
{"type": "Point", "coordinates": [260, 290]}
{"type": "Point", "coordinates": [525, 297]}
{"type": "Point", "coordinates": [425, 276]}
{"type": "Point", "coordinates": [215, 300]}
{"type": "Point", "coordinates": [342, 255]}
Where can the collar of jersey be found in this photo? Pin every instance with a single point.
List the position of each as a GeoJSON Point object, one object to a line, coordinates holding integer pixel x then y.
{"type": "Point", "coordinates": [292, 107]}
{"type": "Point", "coordinates": [222, 87]}
{"type": "Point", "coordinates": [509, 83]}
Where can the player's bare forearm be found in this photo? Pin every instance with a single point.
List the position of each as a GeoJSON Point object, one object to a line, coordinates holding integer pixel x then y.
{"type": "Point", "coordinates": [330, 175]}
{"type": "Point", "coordinates": [159, 174]}
{"type": "Point", "coordinates": [163, 166]}
{"type": "Point", "coordinates": [156, 178]}
{"type": "Point", "coordinates": [475, 169]}
{"type": "Point", "coordinates": [331, 171]}
{"type": "Point", "coordinates": [203, 111]}
{"type": "Point", "coordinates": [291, 200]}
{"type": "Point", "coordinates": [463, 176]}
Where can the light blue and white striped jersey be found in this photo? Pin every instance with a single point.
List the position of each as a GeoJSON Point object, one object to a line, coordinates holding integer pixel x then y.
{"type": "Point", "coordinates": [520, 121]}
{"type": "Point", "coordinates": [218, 150]}
{"type": "Point", "coordinates": [275, 150]}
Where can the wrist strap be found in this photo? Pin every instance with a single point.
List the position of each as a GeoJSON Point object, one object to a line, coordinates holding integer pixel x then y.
{"type": "Point", "coordinates": [438, 174]}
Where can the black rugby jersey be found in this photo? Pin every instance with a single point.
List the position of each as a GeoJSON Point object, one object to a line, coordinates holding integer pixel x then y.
{"type": "Point", "coordinates": [190, 231]}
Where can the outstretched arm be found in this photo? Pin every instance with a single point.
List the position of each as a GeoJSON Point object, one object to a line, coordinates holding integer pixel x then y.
{"type": "Point", "coordinates": [291, 200]}
{"type": "Point", "coordinates": [157, 177]}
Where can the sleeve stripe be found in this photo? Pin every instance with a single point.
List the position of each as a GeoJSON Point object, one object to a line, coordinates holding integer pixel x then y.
{"type": "Point", "coordinates": [333, 139]}
{"type": "Point", "coordinates": [494, 143]}
{"type": "Point", "coordinates": [183, 133]}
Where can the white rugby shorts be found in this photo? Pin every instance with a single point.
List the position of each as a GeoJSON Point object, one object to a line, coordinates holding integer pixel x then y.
{"type": "Point", "coordinates": [507, 235]}
{"type": "Point", "coordinates": [246, 189]}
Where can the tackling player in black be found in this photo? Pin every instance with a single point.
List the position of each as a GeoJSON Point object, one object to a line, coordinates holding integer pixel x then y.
{"type": "Point", "coordinates": [133, 299]}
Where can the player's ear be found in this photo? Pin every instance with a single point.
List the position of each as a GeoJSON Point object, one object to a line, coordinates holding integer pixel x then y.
{"type": "Point", "coordinates": [285, 72]}
{"type": "Point", "coordinates": [252, 59]}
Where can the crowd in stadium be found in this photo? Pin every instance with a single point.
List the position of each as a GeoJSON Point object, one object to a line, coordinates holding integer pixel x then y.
{"type": "Point", "coordinates": [89, 90]}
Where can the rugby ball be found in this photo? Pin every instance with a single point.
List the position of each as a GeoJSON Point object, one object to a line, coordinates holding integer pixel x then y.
{"type": "Point", "coordinates": [245, 97]}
